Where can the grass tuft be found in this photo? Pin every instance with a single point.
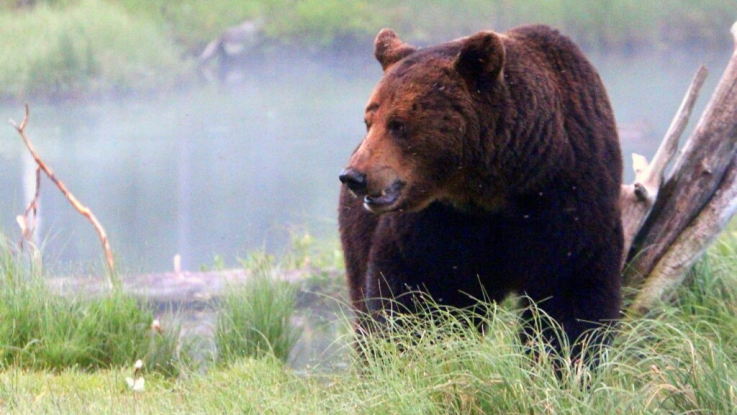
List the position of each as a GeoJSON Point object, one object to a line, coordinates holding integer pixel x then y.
{"type": "Point", "coordinates": [43, 331]}
{"type": "Point", "coordinates": [254, 317]}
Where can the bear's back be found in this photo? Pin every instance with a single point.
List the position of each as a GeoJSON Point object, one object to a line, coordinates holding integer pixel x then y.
{"type": "Point", "coordinates": [589, 121]}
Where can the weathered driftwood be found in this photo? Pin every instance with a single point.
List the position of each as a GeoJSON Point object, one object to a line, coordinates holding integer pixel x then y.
{"type": "Point", "coordinates": [693, 205]}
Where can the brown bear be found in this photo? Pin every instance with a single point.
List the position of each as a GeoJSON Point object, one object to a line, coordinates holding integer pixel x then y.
{"type": "Point", "coordinates": [491, 165]}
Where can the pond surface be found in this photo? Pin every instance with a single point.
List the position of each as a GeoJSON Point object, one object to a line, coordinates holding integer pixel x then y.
{"type": "Point", "coordinates": [226, 169]}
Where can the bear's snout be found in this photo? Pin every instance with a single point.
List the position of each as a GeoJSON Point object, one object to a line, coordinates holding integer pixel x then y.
{"type": "Point", "coordinates": [377, 197]}
{"type": "Point", "coordinates": [354, 180]}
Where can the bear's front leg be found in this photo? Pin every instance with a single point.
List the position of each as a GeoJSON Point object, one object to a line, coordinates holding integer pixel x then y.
{"type": "Point", "coordinates": [585, 307]}
{"type": "Point", "coordinates": [388, 289]}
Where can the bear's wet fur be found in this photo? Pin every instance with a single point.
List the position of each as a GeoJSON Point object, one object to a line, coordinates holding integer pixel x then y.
{"type": "Point", "coordinates": [491, 165]}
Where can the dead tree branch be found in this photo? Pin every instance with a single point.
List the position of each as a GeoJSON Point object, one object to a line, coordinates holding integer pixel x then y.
{"type": "Point", "coordinates": [694, 204]}
{"type": "Point", "coordinates": [690, 245]}
{"type": "Point", "coordinates": [86, 212]}
{"type": "Point", "coordinates": [638, 198]}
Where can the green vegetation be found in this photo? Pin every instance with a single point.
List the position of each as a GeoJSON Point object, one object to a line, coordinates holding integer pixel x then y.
{"type": "Point", "coordinates": [680, 360]}
{"type": "Point", "coordinates": [254, 317]}
{"type": "Point", "coordinates": [614, 24]}
{"type": "Point", "coordinates": [43, 331]}
{"type": "Point", "coordinates": [87, 47]}
{"type": "Point", "coordinates": [70, 48]}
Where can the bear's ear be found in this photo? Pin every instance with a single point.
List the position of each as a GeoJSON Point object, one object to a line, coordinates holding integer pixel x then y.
{"type": "Point", "coordinates": [389, 48]}
{"type": "Point", "coordinates": [481, 57]}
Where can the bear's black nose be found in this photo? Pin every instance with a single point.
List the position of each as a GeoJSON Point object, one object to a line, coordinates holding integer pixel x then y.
{"type": "Point", "coordinates": [354, 180]}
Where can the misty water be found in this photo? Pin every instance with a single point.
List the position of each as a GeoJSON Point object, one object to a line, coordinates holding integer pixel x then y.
{"type": "Point", "coordinates": [226, 169]}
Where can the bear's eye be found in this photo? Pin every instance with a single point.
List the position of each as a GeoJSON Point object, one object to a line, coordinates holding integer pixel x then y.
{"type": "Point", "coordinates": [368, 124]}
{"type": "Point", "coordinates": [397, 128]}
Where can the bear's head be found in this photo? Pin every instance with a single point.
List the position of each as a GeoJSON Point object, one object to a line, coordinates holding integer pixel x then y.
{"type": "Point", "coordinates": [422, 123]}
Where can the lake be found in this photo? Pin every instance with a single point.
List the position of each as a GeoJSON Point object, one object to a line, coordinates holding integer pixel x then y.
{"type": "Point", "coordinates": [226, 169]}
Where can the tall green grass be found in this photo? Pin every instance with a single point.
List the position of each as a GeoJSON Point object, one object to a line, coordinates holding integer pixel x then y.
{"type": "Point", "coordinates": [680, 359]}
{"type": "Point", "coordinates": [254, 317]}
{"type": "Point", "coordinates": [45, 331]}
{"type": "Point", "coordinates": [41, 330]}
{"type": "Point", "coordinates": [612, 24]}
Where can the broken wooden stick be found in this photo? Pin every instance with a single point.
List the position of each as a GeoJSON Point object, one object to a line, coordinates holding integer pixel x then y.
{"type": "Point", "coordinates": [86, 212]}
{"type": "Point", "coordinates": [27, 221]}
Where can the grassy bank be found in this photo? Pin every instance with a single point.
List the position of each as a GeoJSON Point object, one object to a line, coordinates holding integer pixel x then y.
{"type": "Point", "coordinates": [41, 330]}
{"type": "Point", "coordinates": [680, 360]}
{"type": "Point", "coordinates": [87, 48]}
{"type": "Point", "coordinates": [63, 48]}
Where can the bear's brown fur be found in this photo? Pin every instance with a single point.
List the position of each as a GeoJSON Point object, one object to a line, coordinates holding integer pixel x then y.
{"type": "Point", "coordinates": [491, 165]}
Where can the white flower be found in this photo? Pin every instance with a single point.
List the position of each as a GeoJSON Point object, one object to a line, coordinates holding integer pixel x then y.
{"type": "Point", "coordinates": [137, 385]}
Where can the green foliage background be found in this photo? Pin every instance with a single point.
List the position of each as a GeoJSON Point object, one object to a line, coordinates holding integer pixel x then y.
{"type": "Point", "coordinates": [65, 48]}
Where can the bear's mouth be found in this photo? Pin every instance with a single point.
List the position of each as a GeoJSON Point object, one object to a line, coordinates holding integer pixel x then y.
{"type": "Point", "coordinates": [386, 200]}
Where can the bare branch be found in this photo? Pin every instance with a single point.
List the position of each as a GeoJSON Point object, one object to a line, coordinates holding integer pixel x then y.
{"type": "Point", "coordinates": [83, 210]}
{"type": "Point", "coordinates": [670, 144]}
